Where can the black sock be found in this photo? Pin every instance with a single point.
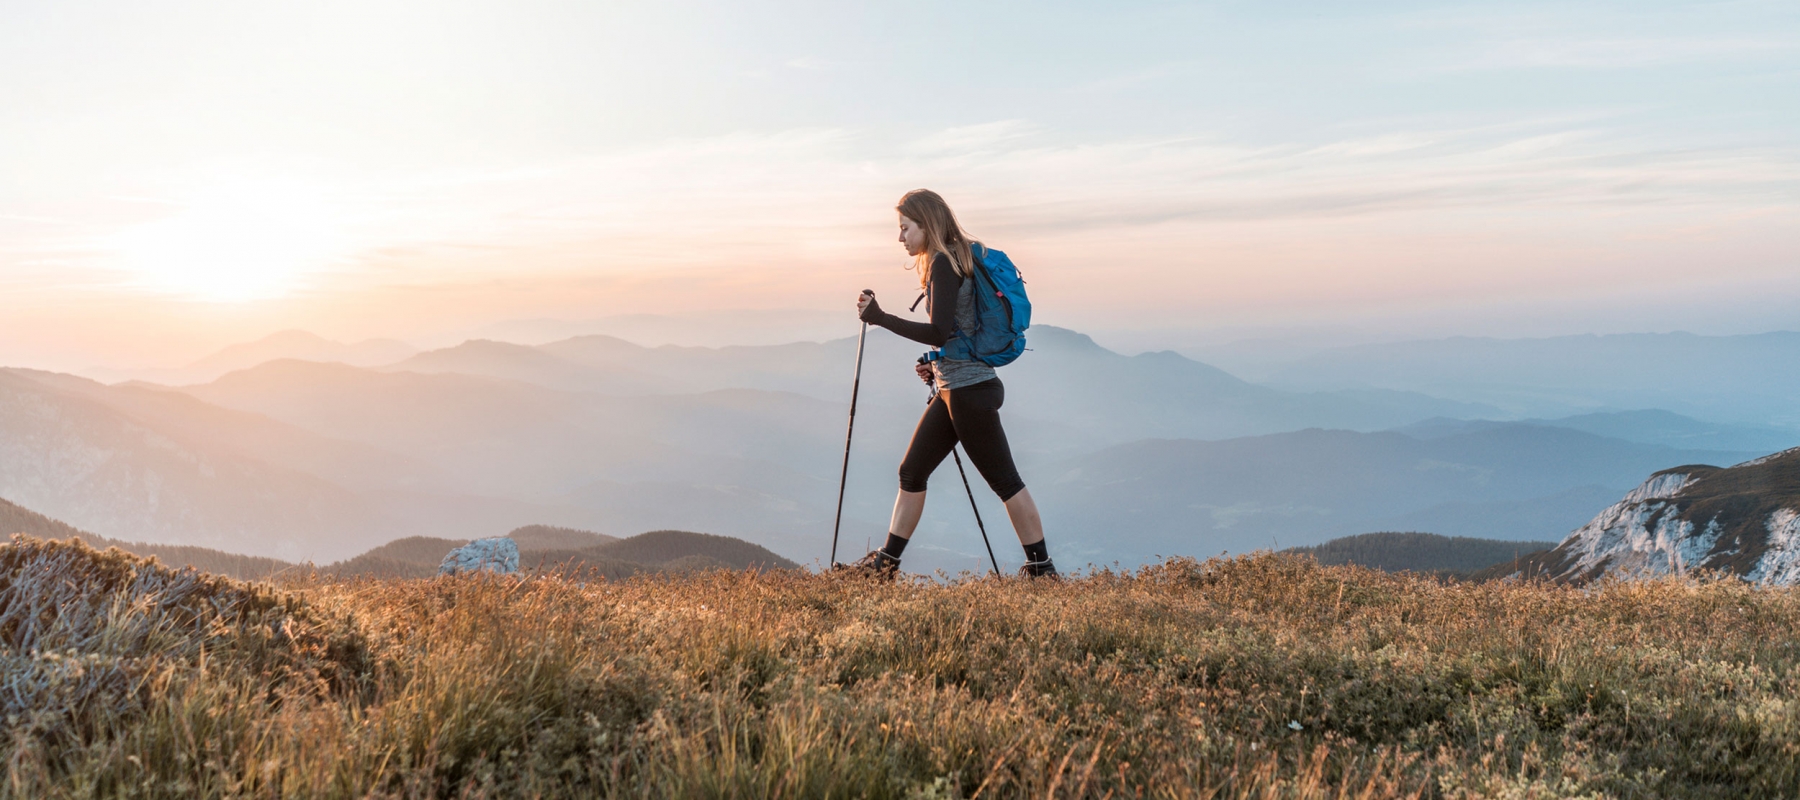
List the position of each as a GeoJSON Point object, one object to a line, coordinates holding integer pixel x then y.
{"type": "Point", "coordinates": [1037, 552]}
{"type": "Point", "coordinates": [895, 546]}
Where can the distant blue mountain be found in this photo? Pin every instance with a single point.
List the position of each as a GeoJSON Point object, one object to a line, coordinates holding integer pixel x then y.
{"type": "Point", "coordinates": [1647, 426]}
{"type": "Point", "coordinates": [1748, 380]}
{"type": "Point", "coordinates": [1513, 481]}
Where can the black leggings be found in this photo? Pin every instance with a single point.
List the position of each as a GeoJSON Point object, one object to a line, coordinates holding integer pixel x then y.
{"type": "Point", "coordinates": [970, 415]}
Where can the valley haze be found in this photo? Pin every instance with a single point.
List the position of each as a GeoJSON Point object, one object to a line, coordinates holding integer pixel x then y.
{"type": "Point", "coordinates": [302, 448]}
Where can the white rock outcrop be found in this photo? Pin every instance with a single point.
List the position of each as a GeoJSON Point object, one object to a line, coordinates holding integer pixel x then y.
{"type": "Point", "coordinates": [1743, 520]}
{"type": "Point", "coordinates": [1639, 535]}
{"type": "Point", "coordinates": [499, 554]}
{"type": "Point", "coordinates": [1780, 564]}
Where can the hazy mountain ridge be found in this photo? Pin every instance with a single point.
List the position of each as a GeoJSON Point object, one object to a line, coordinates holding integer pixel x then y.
{"type": "Point", "coordinates": [1088, 393]}
{"type": "Point", "coordinates": [277, 489]}
{"type": "Point", "coordinates": [754, 454]}
{"type": "Point", "coordinates": [1544, 518]}
{"type": "Point", "coordinates": [1185, 496]}
{"type": "Point", "coordinates": [1726, 378]}
{"type": "Point", "coordinates": [488, 435]}
{"type": "Point", "coordinates": [306, 346]}
{"type": "Point", "coordinates": [521, 439]}
{"type": "Point", "coordinates": [85, 462]}
{"type": "Point", "coordinates": [534, 365]}
{"type": "Point", "coordinates": [750, 462]}
{"type": "Point", "coordinates": [349, 463]}
{"type": "Point", "coordinates": [1070, 379]}
{"type": "Point", "coordinates": [142, 464]}
{"type": "Point", "coordinates": [1645, 426]}
{"type": "Point", "coordinates": [295, 344]}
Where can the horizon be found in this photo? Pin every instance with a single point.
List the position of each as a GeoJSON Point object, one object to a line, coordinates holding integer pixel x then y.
{"type": "Point", "coordinates": [1266, 346]}
{"type": "Point", "coordinates": [188, 177]}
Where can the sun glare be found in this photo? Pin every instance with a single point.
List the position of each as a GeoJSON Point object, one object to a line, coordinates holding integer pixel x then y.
{"type": "Point", "coordinates": [236, 243]}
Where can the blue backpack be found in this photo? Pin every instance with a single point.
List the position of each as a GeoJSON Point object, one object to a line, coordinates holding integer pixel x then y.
{"type": "Point", "coordinates": [1002, 313]}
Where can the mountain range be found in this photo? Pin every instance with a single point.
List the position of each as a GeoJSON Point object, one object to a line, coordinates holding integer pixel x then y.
{"type": "Point", "coordinates": [1133, 456]}
{"type": "Point", "coordinates": [1734, 379]}
{"type": "Point", "coordinates": [1645, 426]}
{"type": "Point", "coordinates": [1509, 481]}
{"type": "Point", "coordinates": [282, 344]}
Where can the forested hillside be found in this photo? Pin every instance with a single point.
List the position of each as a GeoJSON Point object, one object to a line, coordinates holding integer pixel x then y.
{"type": "Point", "coordinates": [1419, 552]}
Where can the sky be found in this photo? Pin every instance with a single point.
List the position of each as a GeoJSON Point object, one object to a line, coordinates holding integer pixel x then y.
{"type": "Point", "coordinates": [176, 177]}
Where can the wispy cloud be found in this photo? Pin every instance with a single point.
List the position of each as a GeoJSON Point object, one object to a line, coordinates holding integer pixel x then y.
{"type": "Point", "coordinates": [1623, 37]}
{"type": "Point", "coordinates": [1385, 144]}
{"type": "Point", "coordinates": [971, 139]}
{"type": "Point", "coordinates": [749, 198]}
{"type": "Point", "coordinates": [1620, 53]}
{"type": "Point", "coordinates": [1135, 182]}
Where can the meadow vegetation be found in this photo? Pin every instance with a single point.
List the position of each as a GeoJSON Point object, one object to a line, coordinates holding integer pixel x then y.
{"type": "Point", "coordinates": [1259, 676]}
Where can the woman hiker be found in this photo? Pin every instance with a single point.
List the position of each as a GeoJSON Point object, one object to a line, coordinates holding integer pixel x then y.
{"type": "Point", "coordinates": [966, 404]}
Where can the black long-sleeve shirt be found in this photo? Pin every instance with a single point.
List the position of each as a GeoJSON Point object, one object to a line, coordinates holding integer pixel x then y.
{"type": "Point", "coordinates": [947, 303]}
{"type": "Point", "coordinates": [940, 304]}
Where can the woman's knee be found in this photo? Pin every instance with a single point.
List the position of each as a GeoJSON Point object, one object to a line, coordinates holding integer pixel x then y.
{"type": "Point", "coordinates": [1006, 486]}
{"type": "Point", "coordinates": [912, 479]}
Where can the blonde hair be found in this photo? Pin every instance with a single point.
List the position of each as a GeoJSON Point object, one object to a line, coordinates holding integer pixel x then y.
{"type": "Point", "coordinates": [942, 234]}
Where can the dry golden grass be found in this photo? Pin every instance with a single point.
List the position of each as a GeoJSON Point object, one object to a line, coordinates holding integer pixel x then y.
{"type": "Point", "coordinates": [1264, 676]}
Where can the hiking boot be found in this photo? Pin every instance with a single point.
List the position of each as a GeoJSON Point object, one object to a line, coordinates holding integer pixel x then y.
{"type": "Point", "coordinates": [877, 564]}
{"type": "Point", "coordinates": [1039, 569]}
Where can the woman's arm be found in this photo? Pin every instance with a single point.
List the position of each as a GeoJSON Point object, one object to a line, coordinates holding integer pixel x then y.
{"type": "Point", "coordinates": [942, 304]}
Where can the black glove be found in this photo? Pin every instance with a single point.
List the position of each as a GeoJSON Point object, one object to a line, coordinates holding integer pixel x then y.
{"type": "Point", "coordinates": [872, 312]}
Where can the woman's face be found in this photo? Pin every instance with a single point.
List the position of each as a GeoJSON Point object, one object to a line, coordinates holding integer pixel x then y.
{"type": "Point", "coordinates": [912, 236]}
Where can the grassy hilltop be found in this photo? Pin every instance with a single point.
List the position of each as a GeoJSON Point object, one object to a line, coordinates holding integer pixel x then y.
{"type": "Point", "coordinates": [1261, 676]}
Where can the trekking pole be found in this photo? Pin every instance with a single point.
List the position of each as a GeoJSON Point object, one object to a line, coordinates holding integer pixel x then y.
{"type": "Point", "coordinates": [971, 492]}
{"type": "Point", "coordinates": [978, 525]}
{"type": "Point", "coordinates": [855, 386]}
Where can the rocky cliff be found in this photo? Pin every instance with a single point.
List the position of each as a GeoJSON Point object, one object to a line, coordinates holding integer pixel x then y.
{"type": "Point", "coordinates": [1743, 520]}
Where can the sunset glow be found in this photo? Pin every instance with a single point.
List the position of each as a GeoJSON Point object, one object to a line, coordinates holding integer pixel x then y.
{"type": "Point", "coordinates": [235, 243]}
{"type": "Point", "coordinates": [1521, 169]}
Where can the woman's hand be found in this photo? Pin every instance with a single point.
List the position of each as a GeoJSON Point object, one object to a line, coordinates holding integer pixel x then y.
{"type": "Point", "coordinates": [926, 374]}
{"type": "Point", "coordinates": [866, 307]}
